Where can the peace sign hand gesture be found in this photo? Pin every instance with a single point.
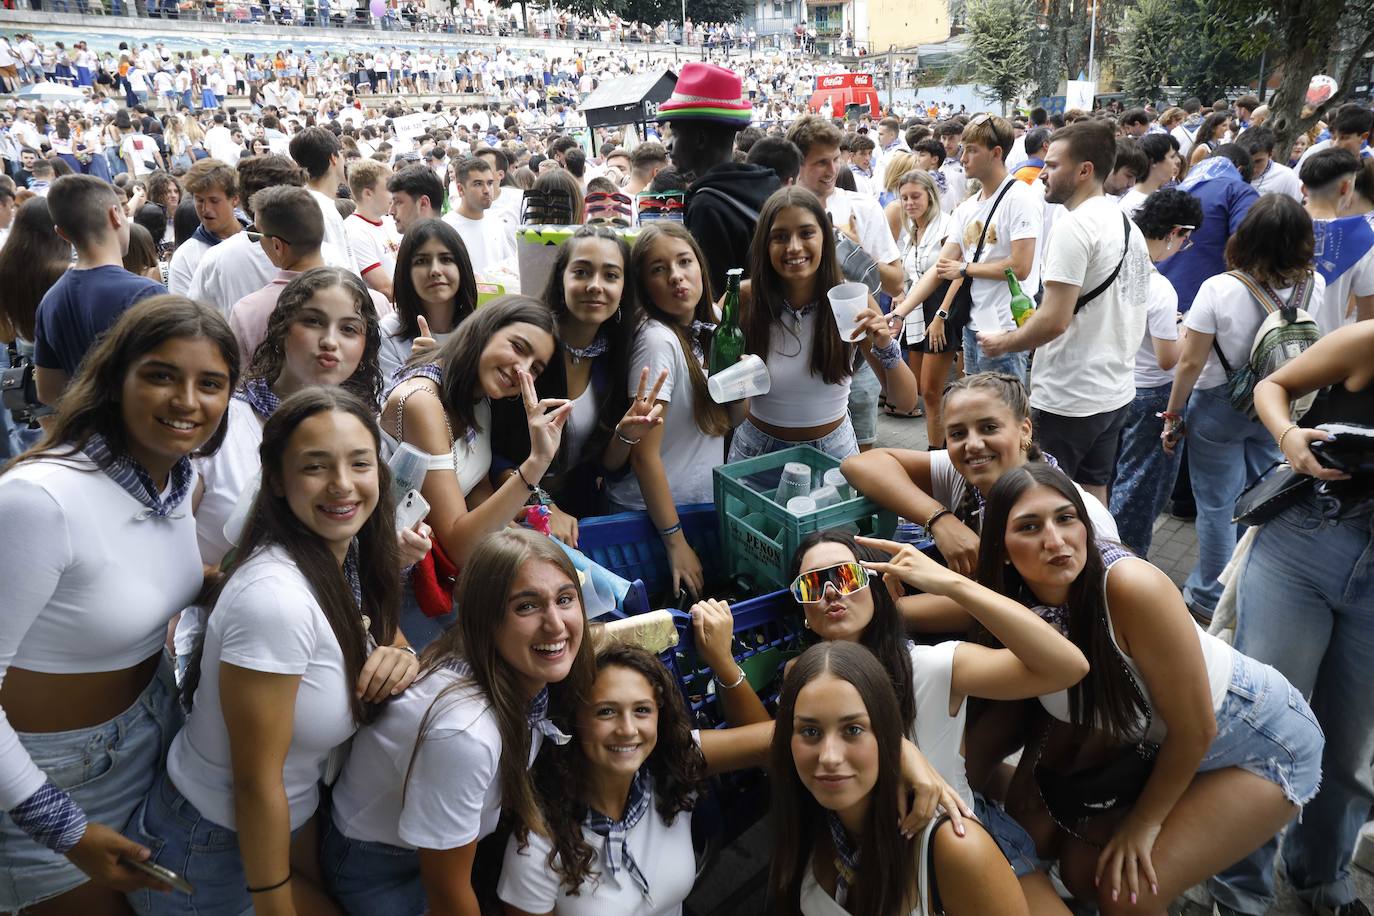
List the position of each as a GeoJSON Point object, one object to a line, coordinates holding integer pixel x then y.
{"type": "Point", "coordinates": [545, 418]}
{"type": "Point", "coordinates": [644, 412]}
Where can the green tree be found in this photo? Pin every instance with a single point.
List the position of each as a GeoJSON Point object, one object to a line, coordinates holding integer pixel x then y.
{"type": "Point", "coordinates": [1304, 38]}
{"type": "Point", "coordinates": [714, 10]}
{"type": "Point", "coordinates": [1145, 48]}
{"type": "Point", "coordinates": [998, 55]}
{"type": "Point", "coordinates": [1210, 57]}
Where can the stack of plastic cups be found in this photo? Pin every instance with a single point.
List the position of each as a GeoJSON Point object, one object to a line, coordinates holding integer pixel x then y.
{"type": "Point", "coordinates": [835, 478]}
{"type": "Point", "coordinates": [825, 496]}
{"type": "Point", "coordinates": [801, 505]}
{"type": "Point", "coordinates": [796, 481]}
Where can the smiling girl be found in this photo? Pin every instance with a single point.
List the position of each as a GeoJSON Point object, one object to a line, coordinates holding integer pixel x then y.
{"type": "Point", "coordinates": [789, 323]}
{"type": "Point", "coordinates": [296, 656]}
{"type": "Point", "coordinates": [450, 757]}
{"type": "Point", "coordinates": [1236, 743]}
{"type": "Point", "coordinates": [988, 430]}
{"type": "Point", "coordinates": [442, 405]}
{"type": "Point", "coordinates": [435, 290]}
{"type": "Point", "coordinates": [635, 768]}
{"type": "Point", "coordinates": [673, 462]}
{"type": "Point", "coordinates": [592, 299]}
{"type": "Point", "coordinates": [834, 765]}
{"type": "Point", "coordinates": [97, 554]}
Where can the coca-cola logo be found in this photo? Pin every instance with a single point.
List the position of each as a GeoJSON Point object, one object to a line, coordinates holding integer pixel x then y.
{"type": "Point", "coordinates": [832, 82]}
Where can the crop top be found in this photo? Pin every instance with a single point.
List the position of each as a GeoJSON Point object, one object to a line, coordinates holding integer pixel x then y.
{"type": "Point", "coordinates": [797, 398]}
{"type": "Point", "coordinates": [82, 592]}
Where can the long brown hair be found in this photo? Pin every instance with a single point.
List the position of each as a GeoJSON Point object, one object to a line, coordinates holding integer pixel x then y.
{"type": "Point", "coordinates": [481, 597]}
{"type": "Point", "coordinates": [1106, 698]}
{"type": "Point", "coordinates": [272, 522]}
{"type": "Point", "coordinates": [886, 882]}
{"type": "Point", "coordinates": [831, 358]}
{"type": "Point", "coordinates": [1274, 243]}
{"type": "Point", "coordinates": [33, 259]}
{"type": "Point", "coordinates": [90, 403]}
{"type": "Point", "coordinates": [561, 773]}
{"type": "Point", "coordinates": [711, 418]}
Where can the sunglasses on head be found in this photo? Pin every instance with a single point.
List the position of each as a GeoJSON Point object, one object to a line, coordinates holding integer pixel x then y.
{"type": "Point", "coordinates": [848, 578]}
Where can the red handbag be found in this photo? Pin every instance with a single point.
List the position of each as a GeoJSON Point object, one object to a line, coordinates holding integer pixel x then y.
{"type": "Point", "coordinates": [432, 580]}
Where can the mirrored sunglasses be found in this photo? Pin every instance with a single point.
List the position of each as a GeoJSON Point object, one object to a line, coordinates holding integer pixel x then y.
{"type": "Point", "coordinates": [847, 578]}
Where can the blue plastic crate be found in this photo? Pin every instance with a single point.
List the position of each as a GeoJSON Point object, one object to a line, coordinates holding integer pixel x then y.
{"type": "Point", "coordinates": [769, 630]}
{"type": "Point", "coordinates": [628, 544]}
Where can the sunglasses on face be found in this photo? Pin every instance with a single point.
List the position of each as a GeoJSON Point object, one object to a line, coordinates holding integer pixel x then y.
{"type": "Point", "coordinates": [847, 578]}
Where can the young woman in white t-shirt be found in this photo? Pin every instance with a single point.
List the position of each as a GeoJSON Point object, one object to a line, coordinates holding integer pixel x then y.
{"type": "Point", "coordinates": [988, 430]}
{"type": "Point", "coordinates": [97, 554]}
{"type": "Point", "coordinates": [434, 290]}
{"type": "Point", "coordinates": [296, 655]}
{"type": "Point", "coordinates": [673, 461]}
{"type": "Point", "coordinates": [440, 403]}
{"type": "Point", "coordinates": [788, 321]}
{"type": "Point", "coordinates": [634, 770]}
{"type": "Point", "coordinates": [1227, 451]}
{"type": "Point", "coordinates": [449, 758]}
{"type": "Point", "coordinates": [834, 770]}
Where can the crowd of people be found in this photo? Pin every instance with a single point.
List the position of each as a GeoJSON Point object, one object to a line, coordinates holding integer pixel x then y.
{"type": "Point", "coordinates": [240, 673]}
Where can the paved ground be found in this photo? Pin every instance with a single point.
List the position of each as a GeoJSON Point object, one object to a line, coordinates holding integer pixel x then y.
{"type": "Point", "coordinates": [736, 883]}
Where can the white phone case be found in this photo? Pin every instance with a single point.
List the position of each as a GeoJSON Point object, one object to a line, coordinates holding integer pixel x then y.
{"type": "Point", "coordinates": [411, 510]}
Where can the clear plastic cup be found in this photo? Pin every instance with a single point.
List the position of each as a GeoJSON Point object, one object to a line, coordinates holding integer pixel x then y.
{"type": "Point", "coordinates": [847, 300]}
{"type": "Point", "coordinates": [745, 379]}
{"type": "Point", "coordinates": [835, 478]}
{"type": "Point", "coordinates": [825, 496]}
{"type": "Point", "coordinates": [801, 505]}
{"type": "Point", "coordinates": [408, 466]}
{"type": "Point", "coordinates": [796, 481]}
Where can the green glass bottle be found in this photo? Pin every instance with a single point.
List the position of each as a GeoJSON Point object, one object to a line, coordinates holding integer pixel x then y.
{"type": "Point", "coordinates": [1022, 306]}
{"type": "Point", "coordinates": [727, 344]}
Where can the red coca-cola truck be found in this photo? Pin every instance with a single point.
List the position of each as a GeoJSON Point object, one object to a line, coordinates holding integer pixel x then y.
{"type": "Point", "coordinates": [837, 93]}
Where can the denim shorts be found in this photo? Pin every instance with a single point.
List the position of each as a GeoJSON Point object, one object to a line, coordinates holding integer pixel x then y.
{"type": "Point", "coordinates": [204, 853]}
{"type": "Point", "coordinates": [1016, 844]}
{"type": "Point", "coordinates": [750, 442]}
{"type": "Point", "coordinates": [864, 389]}
{"type": "Point", "coordinates": [107, 769]}
{"type": "Point", "coordinates": [371, 879]}
{"type": "Point", "coordinates": [1265, 727]}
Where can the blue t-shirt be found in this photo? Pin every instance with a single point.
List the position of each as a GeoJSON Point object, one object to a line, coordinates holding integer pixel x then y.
{"type": "Point", "coordinates": [80, 306]}
{"type": "Point", "coordinates": [1225, 201]}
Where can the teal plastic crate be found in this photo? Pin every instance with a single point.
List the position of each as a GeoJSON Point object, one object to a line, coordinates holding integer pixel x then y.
{"type": "Point", "coordinates": [758, 536]}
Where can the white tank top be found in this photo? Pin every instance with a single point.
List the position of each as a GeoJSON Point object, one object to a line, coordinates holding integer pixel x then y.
{"type": "Point", "coordinates": [816, 902]}
{"type": "Point", "coordinates": [797, 398]}
{"type": "Point", "coordinates": [1216, 655]}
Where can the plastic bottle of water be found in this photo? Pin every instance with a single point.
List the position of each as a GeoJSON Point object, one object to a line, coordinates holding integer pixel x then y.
{"type": "Point", "coordinates": [913, 533]}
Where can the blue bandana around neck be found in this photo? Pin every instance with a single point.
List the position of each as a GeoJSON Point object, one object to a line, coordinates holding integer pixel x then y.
{"type": "Point", "coordinates": [1212, 168]}
{"type": "Point", "coordinates": [846, 857]}
{"type": "Point", "coordinates": [205, 236]}
{"type": "Point", "coordinates": [701, 332]}
{"type": "Point", "coordinates": [615, 846]}
{"type": "Point", "coordinates": [257, 394]}
{"type": "Point", "coordinates": [978, 494]}
{"type": "Point", "coordinates": [432, 371]}
{"type": "Point", "coordinates": [1340, 244]}
{"type": "Point", "coordinates": [538, 713]}
{"type": "Point", "coordinates": [598, 346]}
{"type": "Point", "coordinates": [138, 483]}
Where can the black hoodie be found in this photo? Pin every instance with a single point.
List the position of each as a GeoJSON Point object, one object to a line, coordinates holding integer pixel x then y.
{"type": "Point", "coordinates": [723, 220]}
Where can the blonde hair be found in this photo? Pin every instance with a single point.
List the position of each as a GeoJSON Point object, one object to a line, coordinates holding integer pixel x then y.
{"type": "Point", "coordinates": [990, 130]}
{"type": "Point", "coordinates": [896, 168]}
{"type": "Point", "coordinates": [920, 177]}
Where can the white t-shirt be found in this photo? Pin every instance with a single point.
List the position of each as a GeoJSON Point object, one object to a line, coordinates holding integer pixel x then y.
{"type": "Point", "coordinates": [1225, 308]}
{"type": "Point", "coordinates": [88, 584]}
{"type": "Point", "coordinates": [688, 454]}
{"type": "Point", "coordinates": [226, 476]}
{"type": "Point", "coordinates": [874, 233]}
{"type": "Point", "coordinates": [1089, 369]}
{"type": "Point", "coordinates": [1278, 178]}
{"type": "Point", "coordinates": [267, 619]}
{"type": "Point", "coordinates": [662, 851]}
{"type": "Point", "coordinates": [141, 150]}
{"type": "Point", "coordinates": [453, 796]}
{"type": "Point", "coordinates": [798, 397]}
{"type": "Point", "coordinates": [1131, 202]}
{"type": "Point", "coordinates": [335, 235]}
{"type": "Point", "coordinates": [1161, 323]}
{"type": "Point", "coordinates": [947, 487]}
{"type": "Point", "coordinates": [581, 422]}
{"type": "Point", "coordinates": [487, 239]}
{"type": "Point", "coordinates": [185, 260]}
{"type": "Point", "coordinates": [956, 185]}
{"type": "Point", "coordinates": [939, 735]}
{"type": "Point", "coordinates": [1333, 309]}
{"type": "Point", "coordinates": [374, 248]}
{"type": "Point", "coordinates": [1018, 216]}
{"type": "Point", "coordinates": [395, 348]}
{"type": "Point", "coordinates": [229, 271]}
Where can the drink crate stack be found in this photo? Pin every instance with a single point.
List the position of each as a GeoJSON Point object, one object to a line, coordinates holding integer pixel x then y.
{"type": "Point", "coordinates": [758, 535]}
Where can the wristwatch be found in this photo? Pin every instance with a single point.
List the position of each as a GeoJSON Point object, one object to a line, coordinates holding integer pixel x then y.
{"type": "Point", "coordinates": [942, 314]}
{"type": "Point", "coordinates": [963, 270]}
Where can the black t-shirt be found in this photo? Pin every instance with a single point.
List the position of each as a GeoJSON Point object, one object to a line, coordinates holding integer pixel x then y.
{"type": "Point", "coordinates": [81, 306]}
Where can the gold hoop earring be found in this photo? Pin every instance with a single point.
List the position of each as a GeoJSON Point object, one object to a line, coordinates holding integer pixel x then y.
{"type": "Point", "coordinates": [1025, 445]}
